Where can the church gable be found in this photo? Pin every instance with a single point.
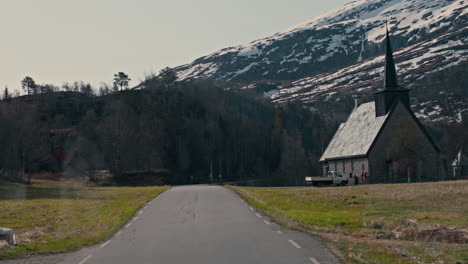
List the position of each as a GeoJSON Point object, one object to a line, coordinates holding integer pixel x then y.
{"type": "Point", "coordinates": [403, 149]}
{"type": "Point", "coordinates": [403, 130]}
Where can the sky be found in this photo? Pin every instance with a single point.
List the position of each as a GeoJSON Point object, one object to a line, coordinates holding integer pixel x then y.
{"type": "Point", "coordinates": [57, 41]}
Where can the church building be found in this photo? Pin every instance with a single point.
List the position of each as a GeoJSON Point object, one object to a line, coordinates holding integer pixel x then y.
{"type": "Point", "coordinates": [384, 138]}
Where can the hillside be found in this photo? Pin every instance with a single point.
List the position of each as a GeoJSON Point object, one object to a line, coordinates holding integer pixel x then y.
{"type": "Point", "coordinates": [330, 57]}
{"type": "Point", "coordinates": [332, 41]}
{"type": "Point", "coordinates": [180, 131]}
{"type": "Point", "coordinates": [433, 70]}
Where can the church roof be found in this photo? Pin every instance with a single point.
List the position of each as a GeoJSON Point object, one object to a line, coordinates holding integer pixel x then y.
{"type": "Point", "coordinates": [355, 137]}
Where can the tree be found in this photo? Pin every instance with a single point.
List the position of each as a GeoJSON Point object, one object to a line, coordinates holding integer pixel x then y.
{"type": "Point", "coordinates": [29, 85]}
{"type": "Point", "coordinates": [86, 89]}
{"type": "Point", "coordinates": [6, 95]}
{"type": "Point", "coordinates": [168, 76]}
{"type": "Point", "coordinates": [66, 87]}
{"type": "Point", "coordinates": [104, 89]}
{"type": "Point", "coordinates": [121, 80]}
{"type": "Point", "coordinates": [47, 88]}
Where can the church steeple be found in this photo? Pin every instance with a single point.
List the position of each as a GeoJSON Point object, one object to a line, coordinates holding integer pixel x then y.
{"type": "Point", "coordinates": [391, 81]}
{"type": "Point", "coordinates": [386, 98]}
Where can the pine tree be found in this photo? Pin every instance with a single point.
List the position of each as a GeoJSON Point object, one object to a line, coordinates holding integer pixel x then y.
{"type": "Point", "coordinates": [121, 80]}
{"type": "Point", "coordinates": [6, 95]}
{"type": "Point", "coordinates": [168, 76]}
{"type": "Point", "coordinates": [29, 85]}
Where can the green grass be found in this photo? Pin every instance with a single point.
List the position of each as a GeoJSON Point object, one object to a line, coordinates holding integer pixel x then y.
{"type": "Point", "coordinates": [51, 217]}
{"type": "Point", "coordinates": [360, 222]}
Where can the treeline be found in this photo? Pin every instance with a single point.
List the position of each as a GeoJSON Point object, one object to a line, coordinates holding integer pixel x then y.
{"type": "Point", "coordinates": [190, 129]}
{"type": "Point", "coordinates": [30, 87]}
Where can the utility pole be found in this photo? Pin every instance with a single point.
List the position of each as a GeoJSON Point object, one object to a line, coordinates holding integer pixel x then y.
{"type": "Point", "coordinates": [211, 172]}
{"type": "Point", "coordinates": [220, 172]}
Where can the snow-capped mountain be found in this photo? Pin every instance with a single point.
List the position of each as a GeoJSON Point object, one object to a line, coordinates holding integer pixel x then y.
{"type": "Point", "coordinates": [419, 67]}
{"type": "Point", "coordinates": [332, 41]}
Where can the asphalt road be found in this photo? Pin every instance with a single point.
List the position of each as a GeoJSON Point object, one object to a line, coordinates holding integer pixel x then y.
{"type": "Point", "coordinates": [199, 225]}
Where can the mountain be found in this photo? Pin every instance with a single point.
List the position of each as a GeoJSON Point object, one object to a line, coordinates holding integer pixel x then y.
{"type": "Point", "coordinates": [435, 71]}
{"type": "Point", "coordinates": [331, 41]}
{"type": "Point", "coordinates": [340, 53]}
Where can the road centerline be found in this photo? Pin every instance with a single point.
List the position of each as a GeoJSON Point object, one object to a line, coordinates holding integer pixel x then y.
{"type": "Point", "coordinates": [296, 245]}
{"type": "Point", "coordinates": [211, 215]}
{"type": "Point", "coordinates": [85, 259]}
{"type": "Point", "coordinates": [313, 260]}
{"type": "Point", "coordinates": [105, 244]}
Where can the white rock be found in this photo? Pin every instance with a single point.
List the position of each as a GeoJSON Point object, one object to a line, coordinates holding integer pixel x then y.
{"type": "Point", "coordinates": [8, 235]}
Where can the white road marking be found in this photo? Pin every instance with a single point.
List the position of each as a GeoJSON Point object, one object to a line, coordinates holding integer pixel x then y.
{"type": "Point", "coordinates": [251, 208]}
{"type": "Point", "coordinates": [314, 261]}
{"type": "Point", "coordinates": [259, 216]}
{"type": "Point", "coordinates": [118, 233]}
{"type": "Point", "coordinates": [296, 245]}
{"type": "Point", "coordinates": [128, 225]}
{"type": "Point", "coordinates": [105, 244]}
{"type": "Point", "coordinates": [135, 218]}
{"type": "Point", "coordinates": [140, 212]}
{"type": "Point", "coordinates": [266, 222]}
{"type": "Point", "coordinates": [85, 259]}
{"type": "Point", "coordinates": [279, 232]}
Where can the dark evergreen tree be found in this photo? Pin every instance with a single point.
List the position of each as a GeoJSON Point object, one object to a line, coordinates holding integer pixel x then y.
{"type": "Point", "coordinates": [121, 81]}
{"type": "Point", "coordinates": [168, 77]}
{"type": "Point", "coordinates": [6, 95]}
{"type": "Point", "coordinates": [29, 85]}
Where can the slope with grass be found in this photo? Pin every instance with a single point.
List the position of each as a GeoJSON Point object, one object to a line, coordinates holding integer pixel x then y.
{"type": "Point", "coordinates": [401, 223]}
{"type": "Point", "coordinates": [51, 217]}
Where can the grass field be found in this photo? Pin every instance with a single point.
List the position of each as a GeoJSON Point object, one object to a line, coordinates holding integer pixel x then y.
{"type": "Point", "coordinates": [52, 217]}
{"type": "Point", "coordinates": [398, 223]}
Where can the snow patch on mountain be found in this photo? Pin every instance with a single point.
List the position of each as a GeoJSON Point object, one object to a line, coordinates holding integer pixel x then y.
{"type": "Point", "coordinates": [348, 35]}
{"type": "Point", "coordinates": [414, 63]}
{"type": "Point", "coordinates": [427, 57]}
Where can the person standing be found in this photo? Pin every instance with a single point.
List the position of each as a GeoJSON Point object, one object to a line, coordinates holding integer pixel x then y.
{"type": "Point", "coordinates": [362, 177]}
{"type": "Point", "coordinates": [366, 177]}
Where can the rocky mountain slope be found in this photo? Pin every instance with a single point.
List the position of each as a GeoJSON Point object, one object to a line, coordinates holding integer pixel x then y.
{"type": "Point", "coordinates": [339, 53]}
{"type": "Point", "coordinates": [332, 41]}
{"type": "Point", "coordinates": [421, 67]}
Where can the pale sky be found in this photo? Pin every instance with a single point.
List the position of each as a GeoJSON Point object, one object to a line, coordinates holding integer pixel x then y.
{"type": "Point", "coordinates": [55, 41]}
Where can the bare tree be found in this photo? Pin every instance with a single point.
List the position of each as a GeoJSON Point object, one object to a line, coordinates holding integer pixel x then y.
{"type": "Point", "coordinates": [104, 89]}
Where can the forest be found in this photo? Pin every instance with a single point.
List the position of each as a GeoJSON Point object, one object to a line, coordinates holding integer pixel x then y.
{"type": "Point", "coordinates": [186, 130]}
{"type": "Point", "coordinates": [197, 131]}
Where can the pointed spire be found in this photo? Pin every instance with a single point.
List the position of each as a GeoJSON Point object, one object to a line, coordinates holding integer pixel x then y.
{"type": "Point", "coordinates": [391, 81]}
